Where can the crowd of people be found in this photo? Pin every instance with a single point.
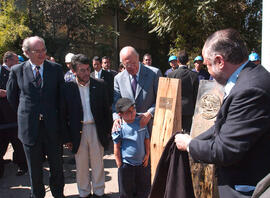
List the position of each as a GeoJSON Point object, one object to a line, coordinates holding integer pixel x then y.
{"type": "Point", "coordinates": [43, 109]}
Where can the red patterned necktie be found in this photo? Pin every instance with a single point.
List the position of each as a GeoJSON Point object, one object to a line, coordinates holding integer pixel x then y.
{"type": "Point", "coordinates": [38, 77]}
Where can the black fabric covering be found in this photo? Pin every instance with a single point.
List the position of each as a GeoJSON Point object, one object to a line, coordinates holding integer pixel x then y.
{"type": "Point", "coordinates": [173, 177]}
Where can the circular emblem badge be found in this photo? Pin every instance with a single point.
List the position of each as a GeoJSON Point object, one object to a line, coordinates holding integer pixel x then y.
{"type": "Point", "coordinates": [209, 106]}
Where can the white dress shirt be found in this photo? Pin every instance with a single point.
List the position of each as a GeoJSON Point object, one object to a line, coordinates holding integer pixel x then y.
{"type": "Point", "coordinates": [85, 98]}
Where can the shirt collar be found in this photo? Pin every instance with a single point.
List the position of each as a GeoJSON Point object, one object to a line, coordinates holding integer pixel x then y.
{"type": "Point", "coordinates": [80, 85]}
{"type": "Point", "coordinates": [232, 80]}
{"type": "Point", "coordinates": [98, 73]}
{"type": "Point", "coordinates": [34, 66]}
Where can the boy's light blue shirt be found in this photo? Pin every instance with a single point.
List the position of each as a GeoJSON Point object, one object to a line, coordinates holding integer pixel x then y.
{"type": "Point", "coordinates": [132, 139]}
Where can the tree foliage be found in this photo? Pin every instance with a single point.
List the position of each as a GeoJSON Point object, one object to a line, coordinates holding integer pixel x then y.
{"type": "Point", "coordinates": [187, 23]}
{"type": "Point", "coordinates": [13, 28]}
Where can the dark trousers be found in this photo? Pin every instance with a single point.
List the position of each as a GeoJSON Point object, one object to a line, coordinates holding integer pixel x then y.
{"type": "Point", "coordinates": [10, 136]}
{"type": "Point", "coordinates": [133, 181]}
{"type": "Point", "coordinates": [35, 158]}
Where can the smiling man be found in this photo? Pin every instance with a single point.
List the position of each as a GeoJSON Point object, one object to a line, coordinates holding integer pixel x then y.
{"type": "Point", "coordinates": [34, 91]}
{"type": "Point", "coordinates": [139, 83]}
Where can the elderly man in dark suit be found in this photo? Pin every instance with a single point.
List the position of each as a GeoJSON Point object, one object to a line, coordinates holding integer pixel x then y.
{"type": "Point", "coordinates": [34, 90]}
{"type": "Point", "coordinates": [238, 143]}
{"type": "Point", "coordinates": [88, 118]}
{"type": "Point", "coordinates": [190, 84]}
{"type": "Point", "coordinates": [8, 119]}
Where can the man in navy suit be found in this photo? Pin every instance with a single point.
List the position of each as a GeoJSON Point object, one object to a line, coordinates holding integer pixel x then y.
{"type": "Point", "coordinates": [238, 143]}
{"type": "Point", "coordinates": [34, 90]}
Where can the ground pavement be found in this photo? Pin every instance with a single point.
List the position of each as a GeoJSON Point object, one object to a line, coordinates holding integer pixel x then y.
{"type": "Point", "coordinates": [12, 186]}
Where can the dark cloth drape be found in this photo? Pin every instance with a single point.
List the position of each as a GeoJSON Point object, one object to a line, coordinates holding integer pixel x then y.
{"type": "Point", "coordinates": [173, 177]}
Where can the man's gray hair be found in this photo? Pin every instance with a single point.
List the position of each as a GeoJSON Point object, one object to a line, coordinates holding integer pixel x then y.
{"type": "Point", "coordinates": [227, 43]}
{"type": "Point", "coordinates": [26, 44]}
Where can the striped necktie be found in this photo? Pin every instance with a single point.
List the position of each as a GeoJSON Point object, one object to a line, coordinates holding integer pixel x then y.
{"type": "Point", "coordinates": [38, 77]}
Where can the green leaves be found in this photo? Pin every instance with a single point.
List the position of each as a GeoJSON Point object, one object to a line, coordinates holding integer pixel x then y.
{"type": "Point", "coordinates": [13, 27]}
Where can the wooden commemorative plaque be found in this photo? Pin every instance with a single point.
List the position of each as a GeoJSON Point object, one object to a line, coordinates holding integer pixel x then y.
{"type": "Point", "coordinates": [167, 117]}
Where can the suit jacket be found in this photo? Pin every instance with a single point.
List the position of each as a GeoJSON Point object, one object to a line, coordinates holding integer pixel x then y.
{"type": "Point", "coordinates": [190, 84]}
{"type": "Point", "coordinates": [7, 114]}
{"type": "Point", "coordinates": [108, 78]}
{"type": "Point", "coordinates": [113, 72]}
{"type": "Point", "coordinates": [31, 101]}
{"type": "Point", "coordinates": [238, 143]}
{"type": "Point", "coordinates": [146, 93]}
{"type": "Point", "coordinates": [99, 107]}
{"type": "Point", "coordinates": [173, 177]}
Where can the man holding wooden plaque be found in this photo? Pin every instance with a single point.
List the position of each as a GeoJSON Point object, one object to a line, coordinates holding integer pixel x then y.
{"type": "Point", "coordinates": [238, 143]}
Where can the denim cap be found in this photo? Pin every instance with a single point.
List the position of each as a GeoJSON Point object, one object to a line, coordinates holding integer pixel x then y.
{"type": "Point", "coordinates": [123, 104]}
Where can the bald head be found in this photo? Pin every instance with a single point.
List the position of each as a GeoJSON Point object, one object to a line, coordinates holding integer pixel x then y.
{"type": "Point", "coordinates": [128, 50]}
{"type": "Point", "coordinates": [130, 59]}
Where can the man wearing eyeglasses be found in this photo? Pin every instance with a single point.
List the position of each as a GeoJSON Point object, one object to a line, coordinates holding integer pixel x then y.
{"type": "Point", "coordinates": [138, 83]}
{"type": "Point", "coordinates": [34, 91]}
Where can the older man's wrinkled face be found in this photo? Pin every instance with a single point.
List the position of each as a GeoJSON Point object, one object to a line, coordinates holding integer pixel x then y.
{"type": "Point", "coordinates": [37, 52]}
{"type": "Point", "coordinates": [131, 62]}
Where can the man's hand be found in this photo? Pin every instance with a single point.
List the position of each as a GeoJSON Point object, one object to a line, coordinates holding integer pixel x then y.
{"type": "Point", "coordinates": [3, 93]}
{"type": "Point", "coordinates": [182, 141]}
{"type": "Point", "coordinates": [145, 117]}
{"type": "Point", "coordinates": [116, 125]}
{"type": "Point", "coordinates": [145, 160]}
{"type": "Point", "coordinates": [69, 145]}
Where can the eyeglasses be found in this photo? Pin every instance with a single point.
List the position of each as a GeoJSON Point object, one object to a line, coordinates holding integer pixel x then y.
{"type": "Point", "coordinates": [38, 51]}
{"type": "Point", "coordinates": [130, 65]}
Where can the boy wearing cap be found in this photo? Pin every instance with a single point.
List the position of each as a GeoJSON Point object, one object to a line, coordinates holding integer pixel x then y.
{"type": "Point", "coordinates": [131, 150]}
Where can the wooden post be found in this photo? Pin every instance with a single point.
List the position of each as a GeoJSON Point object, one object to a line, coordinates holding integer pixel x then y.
{"type": "Point", "coordinates": [167, 117]}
